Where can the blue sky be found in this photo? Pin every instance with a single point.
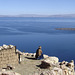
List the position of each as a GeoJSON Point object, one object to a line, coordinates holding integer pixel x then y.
{"type": "Point", "coordinates": [43, 7]}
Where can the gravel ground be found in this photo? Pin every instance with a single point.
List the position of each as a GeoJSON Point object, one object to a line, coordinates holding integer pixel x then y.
{"type": "Point", "coordinates": [28, 66]}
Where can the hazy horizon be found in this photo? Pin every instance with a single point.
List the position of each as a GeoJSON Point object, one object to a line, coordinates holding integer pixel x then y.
{"type": "Point", "coordinates": [37, 15]}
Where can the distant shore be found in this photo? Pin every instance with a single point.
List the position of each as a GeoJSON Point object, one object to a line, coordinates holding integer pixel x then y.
{"type": "Point", "coordinates": [41, 15]}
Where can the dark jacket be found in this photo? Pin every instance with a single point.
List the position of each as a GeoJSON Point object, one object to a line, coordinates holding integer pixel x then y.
{"type": "Point", "coordinates": [38, 52]}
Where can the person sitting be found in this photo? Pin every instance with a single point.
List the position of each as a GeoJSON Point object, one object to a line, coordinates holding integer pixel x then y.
{"type": "Point", "coordinates": [39, 54]}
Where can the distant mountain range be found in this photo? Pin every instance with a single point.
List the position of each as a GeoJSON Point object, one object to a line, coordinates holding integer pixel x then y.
{"type": "Point", "coordinates": [35, 15]}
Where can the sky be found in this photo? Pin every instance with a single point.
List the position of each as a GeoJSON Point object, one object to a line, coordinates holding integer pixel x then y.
{"type": "Point", "coordinates": [41, 7]}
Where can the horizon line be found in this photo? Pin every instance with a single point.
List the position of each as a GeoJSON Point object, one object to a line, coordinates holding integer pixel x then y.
{"type": "Point", "coordinates": [39, 15]}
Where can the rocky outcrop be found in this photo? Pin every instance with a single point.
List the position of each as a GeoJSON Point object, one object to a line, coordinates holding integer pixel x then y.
{"type": "Point", "coordinates": [58, 68]}
{"type": "Point", "coordinates": [51, 64]}
{"type": "Point", "coordinates": [30, 54]}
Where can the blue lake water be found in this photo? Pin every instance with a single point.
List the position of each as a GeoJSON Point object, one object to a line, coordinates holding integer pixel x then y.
{"type": "Point", "coordinates": [29, 33]}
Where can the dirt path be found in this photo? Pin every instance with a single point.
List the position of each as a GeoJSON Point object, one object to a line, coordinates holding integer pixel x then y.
{"type": "Point", "coordinates": [28, 65]}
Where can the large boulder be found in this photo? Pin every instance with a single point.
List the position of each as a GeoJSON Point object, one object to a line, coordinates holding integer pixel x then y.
{"type": "Point", "coordinates": [45, 56]}
{"type": "Point", "coordinates": [49, 62]}
{"type": "Point", "coordinates": [52, 60]}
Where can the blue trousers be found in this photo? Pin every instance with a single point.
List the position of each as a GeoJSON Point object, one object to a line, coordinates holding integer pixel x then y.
{"type": "Point", "coordinates": [40, 57]}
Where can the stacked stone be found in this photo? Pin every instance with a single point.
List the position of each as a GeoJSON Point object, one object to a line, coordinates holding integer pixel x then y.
{"type": "Point", "coordinates": [8, 55]}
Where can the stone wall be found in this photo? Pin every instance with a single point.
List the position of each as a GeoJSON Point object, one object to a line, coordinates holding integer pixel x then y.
{"type": "Point", "coordinates": [8, 55]}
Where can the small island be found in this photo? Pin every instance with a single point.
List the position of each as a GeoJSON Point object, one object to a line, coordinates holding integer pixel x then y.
{"type": "Point", "coordinates": [65, 29]}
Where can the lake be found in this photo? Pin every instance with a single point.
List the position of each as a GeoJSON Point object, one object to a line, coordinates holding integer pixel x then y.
{"type": "Point", "coordinates": [27, 33]}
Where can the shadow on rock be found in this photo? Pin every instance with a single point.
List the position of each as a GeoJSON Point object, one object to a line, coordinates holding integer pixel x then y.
{"type": "Point", "coordinates": [43, 66]}
{"type": "Point", "coordinates": [30, 58]}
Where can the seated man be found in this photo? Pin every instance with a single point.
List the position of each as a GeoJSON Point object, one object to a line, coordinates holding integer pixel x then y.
{"type": "Point", "coordinates": [39, 54]}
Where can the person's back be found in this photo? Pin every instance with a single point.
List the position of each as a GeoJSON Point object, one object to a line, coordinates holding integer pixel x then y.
{"type": "Point", "coordinates": [38, 52]}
